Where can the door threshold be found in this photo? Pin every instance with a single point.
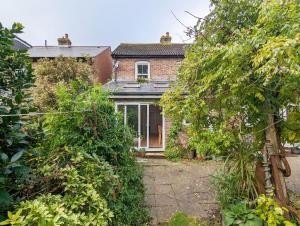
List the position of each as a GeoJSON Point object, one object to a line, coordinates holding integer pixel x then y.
{"type": "Point", "coordinates": [156, 155]}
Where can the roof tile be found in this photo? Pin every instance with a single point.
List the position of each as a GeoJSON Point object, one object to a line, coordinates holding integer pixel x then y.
{"type": "Point", "coordinates": [152, 49]}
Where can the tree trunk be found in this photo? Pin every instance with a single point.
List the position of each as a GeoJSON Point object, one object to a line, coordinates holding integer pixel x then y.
{"type": "Point", "coordinates": [275, 158]}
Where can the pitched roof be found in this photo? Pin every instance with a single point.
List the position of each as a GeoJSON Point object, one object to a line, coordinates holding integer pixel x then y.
{"type": "Point", "coordinates": [149, 50]}
{"type": "Point", "coordinates": [67, 51]}
{"type": "Point", "coordinates": [125, 88]}
{"type": "Point", "coordinates": [20, 44]}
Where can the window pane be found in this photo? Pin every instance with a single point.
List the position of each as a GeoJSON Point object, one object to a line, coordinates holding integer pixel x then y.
{"type": "Point", "coordinates": [132, 117]}
{"type": "Point", "coordinates": [121, 108]}
{"type": "Point", "coordinates": [145, 69]}
{"type": "Point", "coordinates": [140, 69]}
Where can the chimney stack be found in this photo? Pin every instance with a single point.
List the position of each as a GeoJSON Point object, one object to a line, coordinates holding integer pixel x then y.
{"type": "Point", "coordinates": [64, 41]}
{"type": "Point", "coordinates": [166, 39]}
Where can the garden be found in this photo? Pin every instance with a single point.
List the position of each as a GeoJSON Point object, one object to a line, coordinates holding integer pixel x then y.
{"type": "Point", "coordinates": [238, 87]}
{"type": "Point", "coordinates": [64, 155]}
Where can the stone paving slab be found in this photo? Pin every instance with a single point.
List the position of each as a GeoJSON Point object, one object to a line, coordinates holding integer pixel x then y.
{"type": "Point", "coordinates": [293, 182]}
{"type": "Point", "coordinates": [178, 186]}
{"type": "Point", "coordinates": [184, 186]}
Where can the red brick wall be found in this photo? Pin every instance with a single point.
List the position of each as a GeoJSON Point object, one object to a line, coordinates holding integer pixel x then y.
{"type": "Point", "coordinates": [168, 124]}
{"type": "Point", "coordinates": [160, 68]}
{"type": "Point", "coordinates": [103, 66]}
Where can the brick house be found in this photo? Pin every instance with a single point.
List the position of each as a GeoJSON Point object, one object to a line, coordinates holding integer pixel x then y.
{"type": "Point", "coordinates": [141, 74]}
{"type": "Point", "coordinates": [101, 56]}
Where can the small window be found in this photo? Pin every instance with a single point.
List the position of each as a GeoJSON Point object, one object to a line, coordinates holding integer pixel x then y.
{"type": "Point", "coordinates": [142, 70]}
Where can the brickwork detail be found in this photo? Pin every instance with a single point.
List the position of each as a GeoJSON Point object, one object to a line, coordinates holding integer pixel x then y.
{"type": "Point", "coordinates": [160, 68]}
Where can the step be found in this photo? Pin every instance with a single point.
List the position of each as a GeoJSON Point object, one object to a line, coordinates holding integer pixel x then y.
{"type": "Point", "coordinates": [155, 155]}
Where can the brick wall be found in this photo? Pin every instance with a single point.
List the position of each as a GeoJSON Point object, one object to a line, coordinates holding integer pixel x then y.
{"type": "Point", "coordinates": [160, 68]}
{"type": "Point", "coordinates": [103, 66]}
{"type": "Point", "coordinates": [168, 124]}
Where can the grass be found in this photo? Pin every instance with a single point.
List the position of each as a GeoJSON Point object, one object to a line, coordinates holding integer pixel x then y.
{"type": "Point", "coordinates": [181, 219]}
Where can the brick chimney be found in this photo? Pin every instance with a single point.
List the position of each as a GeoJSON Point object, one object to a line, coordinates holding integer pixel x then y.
{"type": "Point", "coordinates": [166, 39]}
{"type": "Point", "coordinates": [64, 41]}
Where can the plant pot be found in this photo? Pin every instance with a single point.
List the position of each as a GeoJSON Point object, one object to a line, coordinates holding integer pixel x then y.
{"type": "Point", "coordinates": [190, 154]}
{"type": "Point", "coordinates": [140, 154]}
{"type": "Point", "coordinates": [200, 157]}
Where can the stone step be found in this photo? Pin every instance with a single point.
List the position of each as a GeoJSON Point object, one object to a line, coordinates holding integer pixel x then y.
{"type": "Point", "coordinates": [155, 155]}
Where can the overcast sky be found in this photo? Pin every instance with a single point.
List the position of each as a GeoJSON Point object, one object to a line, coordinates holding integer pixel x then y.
{"type": "Point", "coordinates": [101, 22]}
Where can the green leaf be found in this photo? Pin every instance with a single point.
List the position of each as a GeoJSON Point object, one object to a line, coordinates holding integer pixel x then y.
{"type": "Point", "coordinates": [5, 200]}
{"type": "Point", "coordinates": [18, 98]}
{"type": "Point", "coordinates": [4, 157]}
{"type": "Point", "coordinates": [16, 156]}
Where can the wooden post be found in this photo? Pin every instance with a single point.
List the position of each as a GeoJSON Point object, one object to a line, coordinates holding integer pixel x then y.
{"type": "Point", "coordinates": [275, 159]}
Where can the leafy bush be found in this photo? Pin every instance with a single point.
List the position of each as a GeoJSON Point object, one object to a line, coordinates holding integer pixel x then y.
{"type": "Point", "coordinates": [83, 172]}
{"type": "Point", "coordinates": [15, 79]}
{"type": "Point", "coordinates": [50, 72]}
{"type": "Point", "coordinates": [174, 151]}
{"type": "Point", "coordinates": [239, 214]}
{"type": "Point", "coordinates": [236, 180]}
{"type": "Point", "coordinates": [270, 211]}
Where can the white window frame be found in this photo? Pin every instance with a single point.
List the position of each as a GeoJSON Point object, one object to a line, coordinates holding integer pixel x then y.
{"type": "Point", "coordinates": [136, 69]}
{"type": "Point", "coordinates": [125, 104]}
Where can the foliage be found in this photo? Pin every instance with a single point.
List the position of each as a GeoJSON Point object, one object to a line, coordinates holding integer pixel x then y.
{"type": "Point", "coordinates": [15, 79]}
{"type": "Point", "coordinates": [50, 72]}
{"type": "Point", "coordinates": [82, 181]}
{"type": "Point", "coordinates": [291, 129]}
{"type": "Point", "coordinates": [240, 214]}
{"type": "Point", "coordinates": [181, 219]}
{"type": "Point", "coordinates": [83, 172]}
{"type": "Point", "coordinates": [174, 151]}
{"type": "Point", "coordinates": [236, 180]}
{"type": "Point", "coordinates": [270, 211]}
{"type": "Point", "coordinates": [243, 66]}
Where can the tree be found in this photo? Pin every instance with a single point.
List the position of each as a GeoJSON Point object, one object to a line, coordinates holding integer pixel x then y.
{"type": "Point", "coordinates": [50, 72]}
{"type": "Point", "coordinates": [15, 79]}
{"type": "Point", "coordinates": [238, 76]}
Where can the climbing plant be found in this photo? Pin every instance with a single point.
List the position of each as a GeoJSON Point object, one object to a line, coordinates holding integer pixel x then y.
{"type": "Point", "coordinates": [240, 73]}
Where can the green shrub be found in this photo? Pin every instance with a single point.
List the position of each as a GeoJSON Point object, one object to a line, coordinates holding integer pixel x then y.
{"type": "Point", "coordinates": [83, 167]}
{"type": "Point", "coordinates": [236, 180]}
{"type": "Point", "coordinates": [270, 212]}
{"type": "Point", "coordinates": [239, 214]}
{"type": "Point", "coordinates": [50, 72]}
{"type": "Point", "coordinates": [15, 141]}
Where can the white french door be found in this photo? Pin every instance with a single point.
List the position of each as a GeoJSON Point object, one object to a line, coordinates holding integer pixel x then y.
{"type": "Point", "coordinates": [147, 122]}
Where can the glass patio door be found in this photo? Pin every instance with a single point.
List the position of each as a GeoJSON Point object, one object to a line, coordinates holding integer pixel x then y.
{"type": "Point", "coordinates": [146, 121]}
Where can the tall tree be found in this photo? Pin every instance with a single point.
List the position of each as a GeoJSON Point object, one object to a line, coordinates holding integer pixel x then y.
{"type": "Point", "coordinates": [240, 74]}
{"type": "Point", "coordinates": [50, 72]}
{"type": "Point", "coordinates": [15, 79]}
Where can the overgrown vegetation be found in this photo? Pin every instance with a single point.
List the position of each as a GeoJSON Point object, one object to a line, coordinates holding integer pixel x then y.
{"type": "Point", "coordinates": [79, 168]}
{"type": "Point", "coordinates": [174, 151]}
{"type": "Point", "coordinates": [236, 80]}
{"type": "Point", "coordinates": [60, 70]}
{"type": "Point", "coordinates": [181, 219]}
{"type": "Point", "coordinates": [15, 79]}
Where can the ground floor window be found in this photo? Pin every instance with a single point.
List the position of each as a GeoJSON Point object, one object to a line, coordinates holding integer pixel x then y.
{"type": "Point", "coordinates": [147, 122]}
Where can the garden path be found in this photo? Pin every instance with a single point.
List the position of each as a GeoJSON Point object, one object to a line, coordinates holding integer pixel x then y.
{"type": "Point", "coordinates": [179, 186]}
{"type": "Point", "coordinates": [185, 186]}
{"type": "Point", "coordinates": [293, 182]}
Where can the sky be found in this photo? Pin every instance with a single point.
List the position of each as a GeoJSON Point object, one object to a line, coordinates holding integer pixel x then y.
{"type": "Point", "coordinates": [101, 22]}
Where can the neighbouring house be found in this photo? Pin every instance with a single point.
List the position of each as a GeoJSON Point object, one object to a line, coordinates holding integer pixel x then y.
{"type": "Point", "coordinates": [20, 44]}
{"type": "Point", "coordinates": [101, 55]}
{"type": "Point", "coordinates": [141, 74]}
